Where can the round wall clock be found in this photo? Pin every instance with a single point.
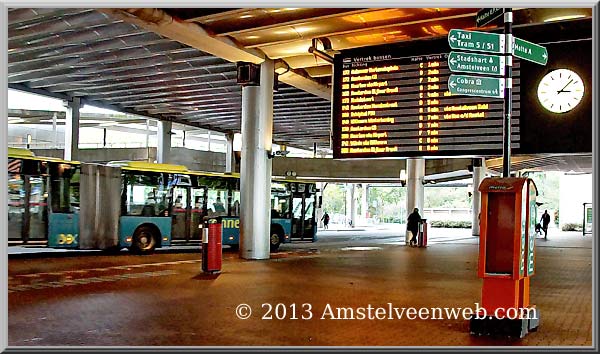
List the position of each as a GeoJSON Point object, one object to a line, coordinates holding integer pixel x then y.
{"type": "Point", "coordinates": [560, 90]}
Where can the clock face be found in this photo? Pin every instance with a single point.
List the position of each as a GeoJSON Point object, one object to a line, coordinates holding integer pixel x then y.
{"type": "Point", "coordinates": [560, 90]}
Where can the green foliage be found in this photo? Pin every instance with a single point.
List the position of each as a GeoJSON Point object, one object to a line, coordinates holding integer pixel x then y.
{"type": "Point", "coordinates": [447, 197]}
{"type": "Point", "coordinates": [572, 227]}
{"type": "Point", "coordinates": [388, 203]}
{"type": "Point", "coordinates": [548, 186]}
{"type": "Point", "coordinates": [451, 224]}
{"type": "Point", "coordinates": [334, 199]}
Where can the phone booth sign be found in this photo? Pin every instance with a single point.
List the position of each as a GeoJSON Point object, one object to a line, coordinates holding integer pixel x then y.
{"type": "Point", "coordinates": [506, 257]}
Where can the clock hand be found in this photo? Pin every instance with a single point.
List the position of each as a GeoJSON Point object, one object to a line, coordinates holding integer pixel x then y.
{"type": "Point", "coordinates": [563, 89]}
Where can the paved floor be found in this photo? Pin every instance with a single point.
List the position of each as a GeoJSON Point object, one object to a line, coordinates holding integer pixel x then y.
{"type": "Point", "coordinates": [163, 299]}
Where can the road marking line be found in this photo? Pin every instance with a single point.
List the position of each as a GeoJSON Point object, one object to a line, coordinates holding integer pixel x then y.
{"type": "Point", "coordinates": [85, 281]}
{"type": "Point", "coordinates": [124, 267]}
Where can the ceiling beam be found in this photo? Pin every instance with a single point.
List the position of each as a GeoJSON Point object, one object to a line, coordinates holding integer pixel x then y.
{"type": "Point", "coordinates": [301, 80]}
{"type": "Point", "coordinates": [368, 29]}
{"type": "Point", "coordinates": [193, 35]}
{"type": "Point", "coordinates": [342, 12]}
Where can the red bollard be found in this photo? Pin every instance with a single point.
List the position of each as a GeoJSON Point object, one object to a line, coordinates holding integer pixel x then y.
{"type": "Point", "coordinates": [212, 252]}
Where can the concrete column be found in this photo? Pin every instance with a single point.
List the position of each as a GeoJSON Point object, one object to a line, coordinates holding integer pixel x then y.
{"type": "Point", "coordinates": [478, 176]}
{"type": "Point", "coordinates": [229, 155]}
{"type": "Point", "coordinates": [319, 209]}
{"type": "Point", "coordinates": [347, 204]}
{"type": "Point", "coordinates": [54, 131]}
{"type": "Point", "coordinates": [148, 140]}
{"type": "Point", "coordinates": [256, 167]}
{"type": "Point", "coordinates": [163, 141]}
{"type": "Point", "coordinates": [351, 204]}
{"type": "Point", "coordinates": [415, 190]}
{"type": "Point", "coordinates": [364, 204]}
{"type": "Point", "coordinates": [71, 151]}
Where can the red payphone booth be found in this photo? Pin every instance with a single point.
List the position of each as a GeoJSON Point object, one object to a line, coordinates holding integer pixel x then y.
{"type": "Point", "coordinates": [506, 257]}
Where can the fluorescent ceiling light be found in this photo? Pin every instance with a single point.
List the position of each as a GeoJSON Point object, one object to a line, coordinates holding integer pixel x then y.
{"type": "Point", "coordinates": [562, 18]}
{"type": "Point", "coordinates": [15, 120]}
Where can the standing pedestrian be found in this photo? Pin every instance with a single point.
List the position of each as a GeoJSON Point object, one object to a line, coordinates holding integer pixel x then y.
{"type": "Point", "coordinates": [545, 222]}
{"type": "Point", "coordinates": [325, 220]}
{"type": "Point", "coordinates": [413, 226]}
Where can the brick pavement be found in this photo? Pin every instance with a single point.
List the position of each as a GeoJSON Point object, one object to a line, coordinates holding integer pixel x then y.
{"type": "Point", "coordinates": [187, 308]}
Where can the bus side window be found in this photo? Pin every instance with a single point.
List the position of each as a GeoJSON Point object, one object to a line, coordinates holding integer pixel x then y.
{"type": "Point", "coordinates": [235, 206]}
{"type": "Point", "coordinates": [216, 204]}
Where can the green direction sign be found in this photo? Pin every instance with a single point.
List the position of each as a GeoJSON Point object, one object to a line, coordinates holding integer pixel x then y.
{"type": "Point", "coordinates": [530, 51]}
{"type": "Point", "coordinates": [477, 41]}
{"type": "Point", "coordinates": [476, 86]}
{"type": "Point", "coordinates": [485, 16]}
{"type": "Point", "coordinates": [476, 63]}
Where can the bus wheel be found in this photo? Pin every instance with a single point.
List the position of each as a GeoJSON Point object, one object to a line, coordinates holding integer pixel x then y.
{"type": "Point", "coordinates": [144, 240]}
{"type": "Point", "coordinates": [275, 240]}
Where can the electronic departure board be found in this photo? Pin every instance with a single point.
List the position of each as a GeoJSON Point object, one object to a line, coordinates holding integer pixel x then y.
{"type": "Point", "coordinates": [389, 105]}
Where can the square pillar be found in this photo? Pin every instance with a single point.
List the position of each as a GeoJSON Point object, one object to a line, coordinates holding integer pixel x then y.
{"type": "Point", "coordinates": [163, 141]}
{"type": "Point", "coordinates": [230, 154]}
{"type": "Point", "coordinates": [415, 189]}
{"type": "Point", "coordinates": [478, 176]}
{"type": "Point", "coordinates": [71, 151]}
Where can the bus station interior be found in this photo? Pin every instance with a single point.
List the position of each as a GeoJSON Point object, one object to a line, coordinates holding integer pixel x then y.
{"type": "Point", "coordinates": [167, 87]}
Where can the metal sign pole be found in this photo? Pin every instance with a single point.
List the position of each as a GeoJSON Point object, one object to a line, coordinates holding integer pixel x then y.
{"type": "Point", "coordinates": [508, 19]}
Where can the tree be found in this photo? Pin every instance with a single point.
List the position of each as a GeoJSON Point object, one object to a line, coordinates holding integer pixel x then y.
{"type": "Point", "coordinates": [334, 199]}
{"type": "Point", "coordinates": [548, 186]}
{"type": "Point", "coordinates": [447, 197]}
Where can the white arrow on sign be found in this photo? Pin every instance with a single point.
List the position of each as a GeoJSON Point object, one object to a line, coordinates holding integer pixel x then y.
{"type": "Point", "coordinates": [452, 38]}
{"type": "Point", "coordinates": [452, 84]}
{"type": "Point", "coordinates": [452, 61]}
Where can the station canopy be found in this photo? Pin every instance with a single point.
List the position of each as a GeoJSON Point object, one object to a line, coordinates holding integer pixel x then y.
{"type": "Point", "coordinates": [180, 64]}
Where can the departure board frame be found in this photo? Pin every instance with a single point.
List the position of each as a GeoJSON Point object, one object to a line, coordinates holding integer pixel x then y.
{"type": "Point", "coordinates": [411, 101]}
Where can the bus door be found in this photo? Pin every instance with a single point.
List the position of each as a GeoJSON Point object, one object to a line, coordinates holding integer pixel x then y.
{"type": "Point", "coordinates": [27, 204]}
{"type": "Point", "coordinates": [310, 226]}
{"type": "Point", "coordinates": [303, 209]}
{"type": "Point", "coordinates": [181, 213]}
{"type": "Point", "coordinates": [189, 209]}
{"type": "Point", "coordinates": [198, 212]}
{"type": "Point", "coordinates": [297, 219]}
{"type": "Point", "coordinates": [63, 218]}
{"type": "Point", "coordinates": [299, 222]}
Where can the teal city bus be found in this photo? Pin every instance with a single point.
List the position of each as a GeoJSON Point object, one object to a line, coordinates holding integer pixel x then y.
{"type": "Point", "coordinates": [141, 206]}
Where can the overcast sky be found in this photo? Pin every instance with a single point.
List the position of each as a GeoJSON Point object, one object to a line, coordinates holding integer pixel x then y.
{"type": "Point", "coordinates": [24, 100]}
